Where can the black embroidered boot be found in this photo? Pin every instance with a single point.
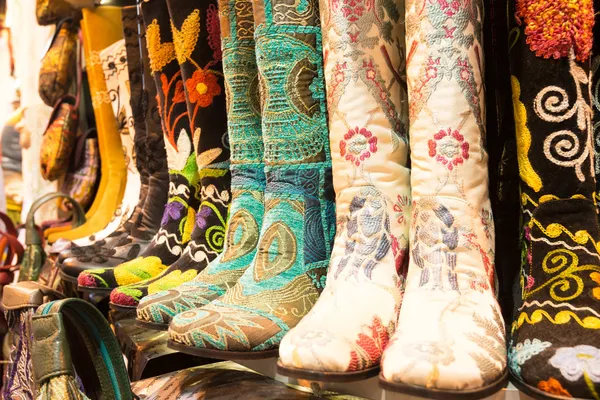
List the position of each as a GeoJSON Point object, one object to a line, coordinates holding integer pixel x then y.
{"type": "Point", "coordinates": [196, 36]}
{"type": "Point", "coordinates": [554, 350]}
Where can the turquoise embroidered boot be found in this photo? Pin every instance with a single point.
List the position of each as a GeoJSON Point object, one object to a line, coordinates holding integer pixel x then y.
{"type": "Point", "coordinates": [288, 271]}
{"type": "Point", "coordinates": [248, 178]}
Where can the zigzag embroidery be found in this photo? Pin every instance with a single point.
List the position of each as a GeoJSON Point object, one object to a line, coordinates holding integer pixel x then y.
{"type": "Point", "coordinates": [561, 318]}
{"type": "Point", "coordinates": [553, 305]}
{"type": "Point", "coordinates": [233, 330]}
{"type": "Point", "coordinates": [554, 230]}
{"type": "Point", "coordinates": [562, 243]}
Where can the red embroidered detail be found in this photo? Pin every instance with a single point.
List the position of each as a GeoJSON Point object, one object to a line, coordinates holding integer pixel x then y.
{"type": "Point", "coordinates": [487, 263]}
{"type": "Point", "coordinates": [214, 31]}
{"type": "Point", "coordinates": [554, 27]}
{"type": "Point", "coordinates": [371, 344]}
{"type": "Point", "coordinates": [400, 257]}
{"type": "Point", "coordinates": [358, 145]}
{"type": "Point", "coordinates": [202, 87]}
{"type": "Point", "coordinates": [401, 202]}
{"type": "Point", "coordinates": [449, 148]}
{"type": "Point", "coordinates": [449, 7]}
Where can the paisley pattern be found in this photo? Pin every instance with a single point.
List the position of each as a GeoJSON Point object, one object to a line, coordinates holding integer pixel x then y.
{"type": "Point", "coordinates": [248, 178]}
{"type": "Point", "coordinates": [368, 122]}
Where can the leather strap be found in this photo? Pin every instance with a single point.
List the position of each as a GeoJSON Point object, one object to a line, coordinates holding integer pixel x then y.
{"type": "Point", "coordinates": [32, 235]}
{"type": "Point", "coordinates": [102, 347]}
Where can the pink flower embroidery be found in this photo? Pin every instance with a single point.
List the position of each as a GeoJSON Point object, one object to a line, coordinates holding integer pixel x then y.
{"type": "Point", "coordinates": [448, 148]}
{"type": "Point", "coordinates": [530, 282]}
{"type": "Point", "coordinates": [358, 145]}
{"type": "Point", "coordinates": [401, 202]}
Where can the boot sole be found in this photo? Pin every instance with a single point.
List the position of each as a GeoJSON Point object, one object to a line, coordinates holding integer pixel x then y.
{"type": "Point", "coordinates": [537, 393]}
{"type": "Point", "coordinates": [441, 394]}
{"type": "Point", "coordinates": [323, 376]}
{"type": "Point", "coordinates": [221, 354]}
{"type": "Point", "coordinates": [151, 325]}
{"type": "Point", "coordinates": [120, 308]}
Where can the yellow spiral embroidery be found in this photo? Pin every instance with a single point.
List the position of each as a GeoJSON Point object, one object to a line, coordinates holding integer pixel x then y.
{"type": "Point", "coordinates": [554, 230]}
{"type": "Point", "coordinates": [160, 54]}
{"type": "Point", "coordinates": [526, 171]}
{"type": "Point", "coordinates": [563, 279]}
{"type": "Point", "coordinates": [561, 318]}
{"type": "Point", "coordinates": [185, 39]}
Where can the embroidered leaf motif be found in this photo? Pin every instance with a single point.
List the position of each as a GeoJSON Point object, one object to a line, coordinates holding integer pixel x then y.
{"type": "Point", "coordinates": [185, 39]}
{"type": "Point", "coordinates": [160, 54]}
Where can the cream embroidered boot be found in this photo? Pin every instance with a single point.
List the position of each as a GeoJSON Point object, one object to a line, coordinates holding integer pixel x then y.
{"type": "Point", "coordinates": [450, 338]}
{"type": "Point", "coordinates": [344, 335]}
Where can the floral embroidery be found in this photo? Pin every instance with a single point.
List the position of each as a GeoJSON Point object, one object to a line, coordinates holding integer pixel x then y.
{"type": "Point", "coordinates": [202, 87]}
{"type": "Point", "coordinates": [554, 27]}
{"type": "Point", "coordinates": [576, 362]}
{"type": "Point", "coordinates": [160, 54]}
{"type": "Point", "coordinates": [370, 345]}
{"type": "Point", "coordinates": [449, 148]}
{"type": "Point", "coordinates": [399, 208]}
{"type": "Point", "coordinates": [185, 40]}
{"type": "Point", "coordinates": [202, 217]}
{"type": "Point", "coordinates": [553, 386]}
{"type": "Point", "coordinates": [358, 145]}
{"type": "Point", "coordinates": [173, 211]}
{"type": "Point", "coordinates": [595, 276]}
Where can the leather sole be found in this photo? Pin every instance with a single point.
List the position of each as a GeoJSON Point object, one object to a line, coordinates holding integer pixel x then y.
{"type": "Point", "coordinates": [441, 394]}
{"type": "Point", "coordinates": [221, 354]}
{"type": "Point", "coordinates": [120, 308]}
{"type": "Point", "coordinates": [152, 325]}
{"type": "Point", "coordinates": [536, 393]}
{"type": "Point", "coordinates": [322, 376]}
{"type": "Point", "coordinates": [88, 289]}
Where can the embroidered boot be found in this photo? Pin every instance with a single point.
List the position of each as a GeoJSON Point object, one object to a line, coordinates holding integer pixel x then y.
{"type": "Point", "coordinates": [179, 214]}
{"type": "Point", "coordinates": [344, 335]}
{"type": "Point", "coordinates": [133, 237]}
{"type": "Point", "coordinates": [112, 185]}
{"type": "Point", "coordinates": [450, 335]}
{"type": "Point", "coordinates": [554, 350]}
{"type": "Point", "coordinates": [248, 178]}
{"type": "Point", "coordinates": [124, 75]}
{"type": "Point", "coordinates": [195, 27]}
{"type": "Point", "coordinates": [286, 275]}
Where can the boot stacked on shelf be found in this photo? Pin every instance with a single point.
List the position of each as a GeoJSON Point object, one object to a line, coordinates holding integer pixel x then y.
{"type": "Point", "coordinates": [195, 29]}
{"type": "Point", "coordinates": [287, 273]}
{"type": "Point", "coordinates": [134, 236]}
{"type": "Point", "coordinates": [554, 349]}
{"type": "Point", "coordinates": [247, 169]}
{"type": "Point", "coordinates": [344, 335]}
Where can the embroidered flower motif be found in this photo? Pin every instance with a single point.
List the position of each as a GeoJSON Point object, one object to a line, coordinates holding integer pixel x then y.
{"type": "Point", "coordinates": [202, 87]}
{"type": "Point", "coordinates": [358, 145]}
{"type": "Point", "coordinates": [519, 354]}
{"type": "Point", "coordinates": [372, 341]}
{"type": "Point", "coordinates": [554, 27]}
{"type": "Point", "coordinates": [399, 205]}
{"type": "Point", "coordinates": [449, 7]}
{"type": "Point", "coordinates": [530, 282]}
{"type": "Point", "coordinates": [575, 362]}
{"type": "Point", "coordinates": [202, 217]}
{"type": "Point", "coordinates": [172, 212]}
{"type": "Point", "coordinates": [449, 148]}
{"type": "Point", "coordinates": [595, 276]}
{"type": "Point", "coordinates": [400, 258]}
{"type": "Point", "coordinates": [553, 386]}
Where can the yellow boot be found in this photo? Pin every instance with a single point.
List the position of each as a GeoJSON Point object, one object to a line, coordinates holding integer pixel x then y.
{"type": "Point", "coordinates": [101, 27]}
